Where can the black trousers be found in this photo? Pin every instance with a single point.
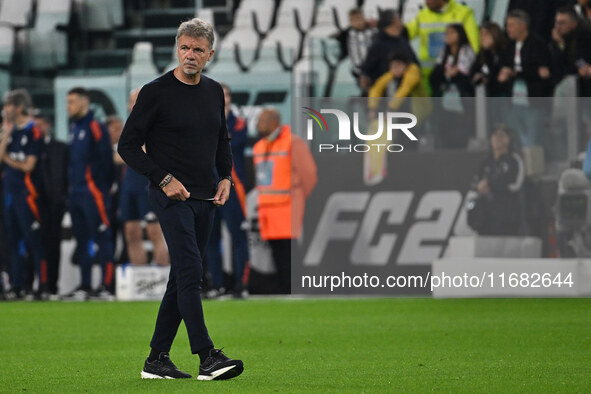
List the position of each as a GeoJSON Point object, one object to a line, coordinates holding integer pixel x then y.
{"type": "Point", "coordinates": [51, 227]}
{"type": "Point", "coordinates": [281, 250]}
{"type": "Point", "coordinates": [186, 226]}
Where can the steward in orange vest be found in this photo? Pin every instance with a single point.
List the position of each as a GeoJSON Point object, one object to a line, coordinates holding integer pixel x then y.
{"type": "Point", "coordinates": [283, 184]}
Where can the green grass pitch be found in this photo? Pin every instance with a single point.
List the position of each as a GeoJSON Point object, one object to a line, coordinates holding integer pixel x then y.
{"type": "Point", "coordinates": [312, 345]}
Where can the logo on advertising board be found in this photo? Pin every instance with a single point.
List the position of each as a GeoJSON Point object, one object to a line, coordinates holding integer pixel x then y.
{"type": "Point", "coordinates": [378, 137]}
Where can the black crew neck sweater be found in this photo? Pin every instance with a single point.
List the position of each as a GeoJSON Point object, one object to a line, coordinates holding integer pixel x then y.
{"type": "Point", "coordinates": [184, 129]}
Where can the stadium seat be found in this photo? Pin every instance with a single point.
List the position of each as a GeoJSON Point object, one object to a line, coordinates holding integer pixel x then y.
{"type": "Point", "coordinates": [258, 12]}
{"type": "Point", "coordinates": [4, 81]}
{"type": "Point", "coordinates": [344, 84]}
{"type": "Point", "coordinates": [6, 44]}
{"type": "Point", "coordinates": [312, 71]}
{"type": "Point", "coordinates": [286, 44]}
{"type": "Point", "coordinates": [342, 8]}
{"type": "Point", "coordinates": [301, 11]}
{"type": "Point", "coordinates": [242, 41]}
{"type": "Point", "coordinates": [478, 7]}
{"type": "Point", "coordinates": [47, 46]}
{"type": "Point", "coordinates": [101, 15]}
{"type": "Point", "coordinates": [410, 9]}
{"type": "Point", "coordinates": [206, 14]}
{"type": "Point", "coordinates": [371, 8]}
{"type": "Point", "coordinates": [499, 12]}
{"type": "Point", "coordinates": [326, 22]}
{"type": "Point", "coordinates": [142, 69]}
{"type": "Point", "coordinates": [16, 13]}
{"type": "Point", "coordinates": [267, 61]}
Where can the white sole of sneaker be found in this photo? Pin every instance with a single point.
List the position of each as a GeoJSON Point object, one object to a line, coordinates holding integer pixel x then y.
{"type": "Point", "coordinates": [146, 375]}
{"type": "Point", "coordinates": [217, 373]}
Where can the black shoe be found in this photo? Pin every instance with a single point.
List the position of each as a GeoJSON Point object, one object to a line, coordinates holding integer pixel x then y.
{"type": "Point", "coordinates": [79, 294]}
{"type": "Point", "coordinates": [163, 368]}
{"type": "Point", "coordinates": [103, 293]}
{"type": "Point", "coordinates": [219, 367]}
{"type": "Point", "coordinates": [14, 295]}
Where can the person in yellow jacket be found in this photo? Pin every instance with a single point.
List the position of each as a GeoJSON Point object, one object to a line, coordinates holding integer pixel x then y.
{"type": "Point", "coordinates": [285, 176]}
{"type": "Point", "coordinates": [407, 76]}
{"type": "Point", "coordinates": [430, 24]}
{"type": "Point", "coordinates": [402, 80]}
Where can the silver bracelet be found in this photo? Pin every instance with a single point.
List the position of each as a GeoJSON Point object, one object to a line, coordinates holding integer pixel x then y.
{"type": "Point", "coordinates": [165, 181]}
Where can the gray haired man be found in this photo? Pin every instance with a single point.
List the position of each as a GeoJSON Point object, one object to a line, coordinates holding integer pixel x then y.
{"type": "Point", "coordinates": [181, 120]}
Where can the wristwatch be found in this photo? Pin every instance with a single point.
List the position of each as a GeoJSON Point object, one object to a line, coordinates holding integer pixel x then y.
{"type": "Point", "coordinates": [229, 177]}
{"type": "Point", "coordinates": [165, 181]}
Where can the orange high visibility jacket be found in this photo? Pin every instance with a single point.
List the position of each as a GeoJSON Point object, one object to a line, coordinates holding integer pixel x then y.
{"type": "Point", "coordinates": [283, 184]}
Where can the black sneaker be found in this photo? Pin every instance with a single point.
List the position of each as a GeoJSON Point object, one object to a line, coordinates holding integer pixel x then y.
{"type": "Point", "coordinates": [219, 367]}
{"type": "Point", "coordinates": [103, 293]}
{"type": "Point", "coordinates": [79, 294]}
{"type": "Point", "coordinates": [163, 368]}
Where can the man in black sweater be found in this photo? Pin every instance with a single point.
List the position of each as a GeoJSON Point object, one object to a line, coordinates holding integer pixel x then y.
{"type": "Point", "coordinates": [180, 119]}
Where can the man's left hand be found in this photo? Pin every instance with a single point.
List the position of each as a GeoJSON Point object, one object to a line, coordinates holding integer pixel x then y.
{"type": "Point", "coordinates": [223, 192]}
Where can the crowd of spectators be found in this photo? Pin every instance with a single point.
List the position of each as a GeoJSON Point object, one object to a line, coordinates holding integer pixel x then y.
{"type": "Point", "coordinates": [526, 58]}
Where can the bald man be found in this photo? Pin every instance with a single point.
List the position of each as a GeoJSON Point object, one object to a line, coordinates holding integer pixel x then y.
{"type": "Point", "coordinates": [283, 185]}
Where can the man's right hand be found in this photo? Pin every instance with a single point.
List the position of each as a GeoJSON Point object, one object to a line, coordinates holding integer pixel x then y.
{"type": "Point", "coordinates": [176, 191]}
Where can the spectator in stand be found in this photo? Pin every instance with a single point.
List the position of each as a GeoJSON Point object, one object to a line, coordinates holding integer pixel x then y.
{"type": "Point", "coordinates": [233, 213]}
{"type": "Point", "coordinates": [285, 177]}
{"type": "Point", "coordinates": [403, 80]}
{"type": "Point", "coordinates": [451, 80]}
{"type": "Point", "coordinates": [135, 208]}
{"type": "Point", "coordinates": [571, 55]}
{"type": "Point", "coordinates": [452, 71]}
{"type": "Point", "coordinates": [526, 72]}
{"type": "Point", "coordinates": [571, 49]}
{"type": "Point", "coordinates": [430, 25]}
{"type": "Point", "coordinates": [406, 76]}
{"type": "Point", "coordinates": [90, 178]}
{"type": "Point", "coordinates": [388, 40]}
{"type": "Point", "coordinates": [488, 62]}
{"type": "Point", "coordinates": [53, 165]}
{"type": "Point", "coordinates": [20, 150]}
{"type": "Point", "coordinates": [497, 210]}
{"type": "Point", "coordinates": [356, 40]}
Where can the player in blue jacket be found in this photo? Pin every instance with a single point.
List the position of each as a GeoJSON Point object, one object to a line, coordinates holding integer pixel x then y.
{"type": "Point", "coordinates": [91, 174]}
{"type": "Point", "coordinates": [20, 148]}
{"type": "Point", "coordinates": [233, 213]}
